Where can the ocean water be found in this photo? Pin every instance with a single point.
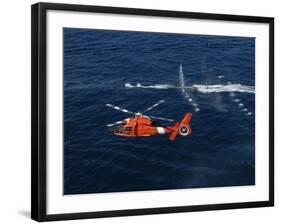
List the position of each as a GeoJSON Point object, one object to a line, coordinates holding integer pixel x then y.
{"type": "Point", "coordinates": [134, 70]}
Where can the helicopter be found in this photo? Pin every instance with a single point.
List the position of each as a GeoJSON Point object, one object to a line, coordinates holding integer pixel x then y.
{"type": "Point", "coordinates": [141, 125]}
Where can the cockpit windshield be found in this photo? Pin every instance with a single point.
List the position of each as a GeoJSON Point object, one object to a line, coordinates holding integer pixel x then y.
{"type": "Point", "coordinates": [124, 130]}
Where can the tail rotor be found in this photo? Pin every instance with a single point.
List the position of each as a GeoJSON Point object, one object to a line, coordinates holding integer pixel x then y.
{"type": "Point", "coordinates": [183, 128]}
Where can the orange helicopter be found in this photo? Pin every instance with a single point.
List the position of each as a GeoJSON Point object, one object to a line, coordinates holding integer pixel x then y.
{"type": "Point", "coordinates": [140, 125]}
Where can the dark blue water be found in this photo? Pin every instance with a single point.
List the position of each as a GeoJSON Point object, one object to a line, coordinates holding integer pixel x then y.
{"type": "Point", "coordinates": [97, 64]}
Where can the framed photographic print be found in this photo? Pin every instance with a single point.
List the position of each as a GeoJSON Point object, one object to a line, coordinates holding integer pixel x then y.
{"type": "Point", "coordinates": [138, 111]}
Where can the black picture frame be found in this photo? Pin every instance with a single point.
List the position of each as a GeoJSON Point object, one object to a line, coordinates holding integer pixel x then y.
{"type": "Point", "coordinates": [38, 108]}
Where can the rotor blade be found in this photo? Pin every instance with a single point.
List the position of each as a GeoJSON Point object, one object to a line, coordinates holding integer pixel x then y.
{"type": "Point", "coordinates": [119, 108]}
{"type": "Point", "coordinates": [115, 123]}
{"type": "Point", "coordinates": [155, 105]}
{"type": "Point", "coordinates": [161, 118]}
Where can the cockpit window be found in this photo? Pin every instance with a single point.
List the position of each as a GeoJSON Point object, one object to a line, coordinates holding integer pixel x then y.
{"type": "Point", "coordinates": [128, 129]}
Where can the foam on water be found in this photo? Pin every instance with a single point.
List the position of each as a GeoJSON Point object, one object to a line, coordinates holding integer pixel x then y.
{"type": "Point", "coordinates": [181, 78]}
{"type": "Point", "coordinates": [225, 88]}
{"type": "Point", "coordinates": [200, 88]}
{"type": "Point", "coordinates": [184, 90]}
{"type": "Point", "coordinates": [188, 91]}
{"type": "Point", "coordinates": [156, 86]}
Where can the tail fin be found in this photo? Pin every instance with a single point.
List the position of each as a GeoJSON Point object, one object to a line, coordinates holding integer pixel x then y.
{"type": "Point", "coordinates": [183, 128]}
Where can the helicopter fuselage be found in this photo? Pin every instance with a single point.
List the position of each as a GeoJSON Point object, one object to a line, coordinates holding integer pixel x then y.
{"type": "Point", "coordinates": [141, 126]}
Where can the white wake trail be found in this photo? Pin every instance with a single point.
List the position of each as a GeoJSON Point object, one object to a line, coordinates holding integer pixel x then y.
{"type": "Point", "coordinates": [224, 88]}
{"type": "Point", "coordinates": [187, 94]}
{"type": "Point", "coordinates": [156, 86]}
{"type": "Point", "coordinates": [188, 91]}
{"type": "Point", "coordinates": [181, 79]}
{"type": "Point", "coordinates": [200, 88]}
